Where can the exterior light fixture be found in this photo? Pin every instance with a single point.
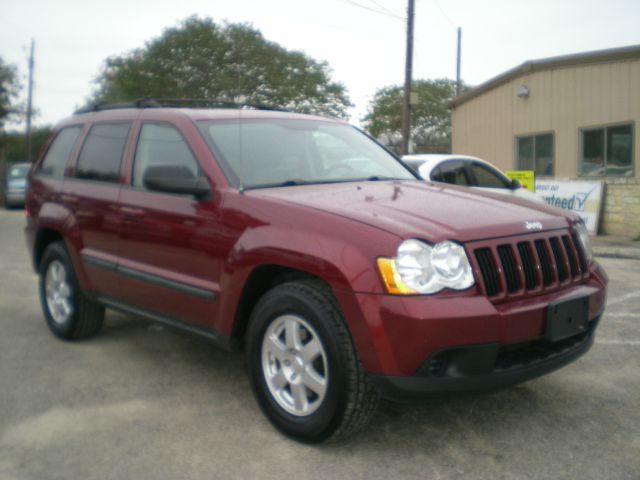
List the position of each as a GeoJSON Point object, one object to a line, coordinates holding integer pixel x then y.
{"type": "Point", "coordinates": [522, 92]}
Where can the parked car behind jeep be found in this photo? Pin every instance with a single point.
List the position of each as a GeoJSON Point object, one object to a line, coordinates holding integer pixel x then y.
{"type": "Point", "coordinates": [15, 186]}
{"type": "Point", "coordinates": [299, 239]}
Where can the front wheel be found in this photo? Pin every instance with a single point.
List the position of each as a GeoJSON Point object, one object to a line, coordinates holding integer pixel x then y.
{"type": "Point", "coordinates": [69, 314]}
{"type": "Point", "coordinates": [303, 367]}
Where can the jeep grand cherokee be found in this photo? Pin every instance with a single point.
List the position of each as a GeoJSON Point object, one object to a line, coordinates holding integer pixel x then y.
{"type": "Point", "coordinates": [300, 239]}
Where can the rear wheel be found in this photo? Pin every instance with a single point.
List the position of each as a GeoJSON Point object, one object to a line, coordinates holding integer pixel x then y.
{"type": "Point", "coordinates": [303, 366]}
{"type": "Point", "coordinates": [68, 313]}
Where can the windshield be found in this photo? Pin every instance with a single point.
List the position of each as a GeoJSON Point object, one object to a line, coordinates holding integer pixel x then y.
{"type": "Point", "coordinates": [19, 172]}
{"type": "Point", "coordinates": [274, 152]}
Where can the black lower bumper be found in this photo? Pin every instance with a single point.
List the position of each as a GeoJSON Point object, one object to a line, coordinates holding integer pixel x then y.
{"type": "Point", "coordinates": [483, 367]}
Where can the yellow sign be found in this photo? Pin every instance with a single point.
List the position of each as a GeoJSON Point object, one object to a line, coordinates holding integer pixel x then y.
{"type": "Point", "coordinates": [526, 178]}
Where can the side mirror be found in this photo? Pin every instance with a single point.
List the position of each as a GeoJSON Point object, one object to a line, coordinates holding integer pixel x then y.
{"type": "Point", "coordinates": [515, 184]}
{"type": "Point", "coordinates": [175, 179]}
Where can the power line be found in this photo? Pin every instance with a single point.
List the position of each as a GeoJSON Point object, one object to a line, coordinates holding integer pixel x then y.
{"type": "Point", "coordinates": [444, 14]}
{"type": "Point", "coordinates": [387, 14]}
{"type": "Point", "coordinates": [382, 7]}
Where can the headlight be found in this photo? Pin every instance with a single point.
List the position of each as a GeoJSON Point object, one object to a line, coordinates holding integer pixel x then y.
{"type": "Point", "coordinates": [585, 241]}
{"type": "Point", "coordinates": [420, 268]}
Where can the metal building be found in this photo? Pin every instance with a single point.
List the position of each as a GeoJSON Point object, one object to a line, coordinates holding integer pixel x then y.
{"type": "Point", "coordinates": [567, 117]}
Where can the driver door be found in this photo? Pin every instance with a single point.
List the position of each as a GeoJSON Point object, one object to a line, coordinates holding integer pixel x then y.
{"type": "Point", "coordinates": [167, 264]}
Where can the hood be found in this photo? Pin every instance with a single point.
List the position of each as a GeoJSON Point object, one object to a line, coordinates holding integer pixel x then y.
{"type": "Point", "coordinates": [416, 209]}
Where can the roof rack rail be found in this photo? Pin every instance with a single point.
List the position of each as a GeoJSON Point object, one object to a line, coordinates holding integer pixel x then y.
{"type": "Point", "coordinates": [176, 103]}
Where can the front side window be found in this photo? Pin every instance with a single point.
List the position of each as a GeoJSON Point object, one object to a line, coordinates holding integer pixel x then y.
{"type": "Point", "coordinates": [57, 156]}
{"type": "Point", "coordinates": [452, 171]}
{"type": "Point", "coordinates": [487, 177]}
{"type": "Point", "coordinates": [260, 153]}
{"type": "Point", "coordinates": [535, 152]}
{"type": "Point", "coordinates": [102, 151]}
{"type": "Point", "coordinates": [161, 145]}
{"type": "Point", "coordinates": [607, 151]}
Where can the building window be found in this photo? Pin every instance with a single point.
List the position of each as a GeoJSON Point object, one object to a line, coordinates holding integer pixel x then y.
{"type": "Point", "coordinates": [535, 152]}
{"type": "Point", "coordinates": [607, 151]}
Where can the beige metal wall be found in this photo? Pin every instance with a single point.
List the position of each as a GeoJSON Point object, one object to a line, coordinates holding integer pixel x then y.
{"type": "Point", "coordinates": [561, 100]}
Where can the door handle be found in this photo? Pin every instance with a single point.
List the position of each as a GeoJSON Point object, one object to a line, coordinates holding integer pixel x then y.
{"type": "Point", "coordinates": [132, 213]}
{"type": "Point", "coordinates": [71, 199]}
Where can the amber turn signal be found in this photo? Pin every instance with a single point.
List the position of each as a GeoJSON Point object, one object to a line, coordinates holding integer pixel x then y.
{"type": "Point", "coordinates": [391, 278]}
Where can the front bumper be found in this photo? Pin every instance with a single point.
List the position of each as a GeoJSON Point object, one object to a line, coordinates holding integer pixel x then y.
{"type": "Point", "coordinates": [484, 367]}
{"type": "Point", "coordinates": [412, 347]}
{"type": "Point", "coordinates": [15, 198]}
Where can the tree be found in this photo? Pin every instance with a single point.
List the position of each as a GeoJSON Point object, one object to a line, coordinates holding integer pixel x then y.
{"type": "Point", "coordinates": [430, 116]}
{"type": "Point", "coordinates": [229, 62]}
{"type": "Point", "coordinates": [9, 88]}
{"type": "Point", "coordinates": [13, 145]}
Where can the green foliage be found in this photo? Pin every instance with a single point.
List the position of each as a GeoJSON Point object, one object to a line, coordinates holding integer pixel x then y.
{"type": "Point", "coordinates": [430, 119]}
{"type": "Point", "coordinates": [13, 145]}
{"type": "Point", "coordinates": [229, 62]}
{"type": "Point", "coordinates": [9, 88]}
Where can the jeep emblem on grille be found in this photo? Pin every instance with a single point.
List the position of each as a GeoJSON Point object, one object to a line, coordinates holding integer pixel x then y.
{"type": "Point", "coordinates": [533, 225]}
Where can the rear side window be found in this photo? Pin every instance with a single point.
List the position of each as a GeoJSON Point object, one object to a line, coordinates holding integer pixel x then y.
{"type": "Point", "coordinates": [58, 154]}
{"type": "Point", "coordinates": [161, 145]}
{"type": "Point", "coordinates": [102, 152]}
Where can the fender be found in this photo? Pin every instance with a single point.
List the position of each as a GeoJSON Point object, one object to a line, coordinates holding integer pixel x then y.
{"type": "Point", "coordinates": [57, 218]}
{"type": "Point", "coordinates": [346, 269]}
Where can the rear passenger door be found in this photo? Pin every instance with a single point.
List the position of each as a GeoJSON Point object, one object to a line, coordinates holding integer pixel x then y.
{"type": "Point", "coordinates": [90, 193]}
{"type": "Point", "coordinates": [168, 265]}
{"type": "Point", "coordinates": [47, 179]}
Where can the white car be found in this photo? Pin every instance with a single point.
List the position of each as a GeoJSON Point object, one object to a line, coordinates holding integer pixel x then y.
{"type": "Point", "coordinates": [467, 171]}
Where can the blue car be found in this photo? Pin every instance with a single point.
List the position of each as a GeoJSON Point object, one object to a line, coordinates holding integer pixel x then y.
{"type": "Point", "coordinates": [16, 184]}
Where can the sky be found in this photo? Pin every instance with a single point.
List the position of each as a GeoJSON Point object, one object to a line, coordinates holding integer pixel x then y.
{"type": "Point", "coordinates": [362, 40]}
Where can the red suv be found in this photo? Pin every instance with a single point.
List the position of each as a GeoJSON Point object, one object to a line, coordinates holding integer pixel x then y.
{"type": "Point", "coordinates": [343, 276]}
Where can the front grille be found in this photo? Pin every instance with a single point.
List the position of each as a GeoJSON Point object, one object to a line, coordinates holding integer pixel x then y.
{"type": "Point", "coordinates": [489, 271]}
{"type": "Point", "coordinates": [545, 262]}
{"type": "Point", "coordinates": [528, 264]}
{"type": "Point", "coordinates": [558, 257]}
{"type": "Point", "coordinates": [509, 268]}
{"type": "Point", "coordinates": [508, 261]}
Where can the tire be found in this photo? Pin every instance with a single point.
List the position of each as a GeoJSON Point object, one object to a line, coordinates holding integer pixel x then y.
{"type": "Point", "coordinates": [69, 314]}
{"type": "Point", "coordinates": [303, 367]}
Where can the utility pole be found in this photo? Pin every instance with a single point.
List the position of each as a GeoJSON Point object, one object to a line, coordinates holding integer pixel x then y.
{"type": "Point", "coordinates": [458, 86]}
{"type": "Point", "coordinates": [30, 101]}
{"type": "Point", "coordinates": [406, 106]}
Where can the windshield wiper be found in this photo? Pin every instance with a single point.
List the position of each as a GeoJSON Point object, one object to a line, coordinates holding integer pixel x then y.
{"type": "Point", "coordinates": [377, 178]}
{"type": "Point", "coordinates": [290, 183]}
{"type": "Point", "coordinates": [297, 181]}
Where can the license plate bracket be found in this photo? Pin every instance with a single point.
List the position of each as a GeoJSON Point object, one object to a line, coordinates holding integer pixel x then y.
{"type": "Point", "coordinates": [566, 318]}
